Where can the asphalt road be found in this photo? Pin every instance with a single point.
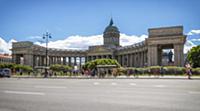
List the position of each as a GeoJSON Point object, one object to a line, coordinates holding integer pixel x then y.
{"type": "Point", "coordinates": [99, 94]}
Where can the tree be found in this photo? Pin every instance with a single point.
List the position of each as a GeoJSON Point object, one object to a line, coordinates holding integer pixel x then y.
{"type": "Point", "coordinates": [194, 56]}
{"type": "Point", "coordinates": [58, 67]}
{"type": "Point", "coordinates": [24, 68]}
{"type": "Point", "coordinates": [92, 64]}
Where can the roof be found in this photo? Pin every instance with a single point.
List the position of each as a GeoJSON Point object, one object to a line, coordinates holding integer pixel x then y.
{"type": "Point", "coordinates": [5, 56]}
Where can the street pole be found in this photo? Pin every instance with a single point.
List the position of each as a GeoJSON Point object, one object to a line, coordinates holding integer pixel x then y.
{"type": "Point", "coordinates": [46, 36]}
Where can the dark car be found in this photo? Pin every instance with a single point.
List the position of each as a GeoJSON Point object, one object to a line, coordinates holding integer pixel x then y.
{"type": "Point", "coordinates": [5, 72]}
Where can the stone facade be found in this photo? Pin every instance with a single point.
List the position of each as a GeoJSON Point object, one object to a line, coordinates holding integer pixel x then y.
{"type": "Point", "coordinates": [146, 53]}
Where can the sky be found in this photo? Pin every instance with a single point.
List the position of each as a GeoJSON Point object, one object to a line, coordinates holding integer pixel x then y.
{"type": "Point", "coordinates": [76, 24]}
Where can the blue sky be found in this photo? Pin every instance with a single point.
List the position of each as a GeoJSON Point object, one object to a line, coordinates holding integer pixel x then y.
{"type": "Point", "coordinates": [26, 19]}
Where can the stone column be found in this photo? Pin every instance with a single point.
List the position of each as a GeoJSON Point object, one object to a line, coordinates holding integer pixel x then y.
{"type": "Point", "coordinates": [69, 60]}
{"type": "Point", "coordinates": [153, 55]}
{"type": "Point", "coordinates": [53, 60]}
{"type": "Point", "coordinates": [142, 59]}
{"type": "Point", "coordinates": [178, 55]}
{"type": "Point", "coordinates": [50, 60]}
{"type": "Point", "coordinates": [128, 60]}
{"type": "Point", "coordinates": [39, 61]}
{"type": "Point", "coordinates": [58, 60]}
{"type": "Point", "coordinates": [122, 60]}
{"type": "Point", "coordinates": [75, 61]}
{"type": "Point", "coordinates": [136, 60]}
{"type": "Point", "coordinates": [86, 59]}
{"type": "Point", "coordinates": [36, 60]}
{"type": "Point", "coordinates": [159, 56]}
{"type": "Point", "coordinates": [28, 60]}
{"type": "Point", "coordinates": [42, 60]}
{"type": "Point", "coordinates": [14, 58]}
{"type": "Point", "coordinates": [131, 60]}
{"type": "Point", "coordinates": [132, 57]}
{"type": "Point", "coordinates": [145, 58]}
{"type": "Point", "coordinates": [139, 59]}
{"type": "Point", "coordinates": [89, 58]}
{"type": "Point", "coordinates": [64, 60]}
{"type": "Point", "coordinates": [80, 61]}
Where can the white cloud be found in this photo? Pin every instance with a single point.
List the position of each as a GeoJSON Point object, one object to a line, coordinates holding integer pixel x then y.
{"type": "Point", "coordinates": [35, 37]}
{"type": "Point", "coordinates": [188, 45]}
{"type": "Point", "coordinates": [193, 32]}
{"type": "Point", "coordinates": [82, 42]}
{"type": "Point", "coordinates": [75, 42]}
{"type": "Point", "coordinates": [131, 39]}
{"type": "Point", "coordinates": [6, 46]}
{"type": "Point", "coordinates": [195, 40]}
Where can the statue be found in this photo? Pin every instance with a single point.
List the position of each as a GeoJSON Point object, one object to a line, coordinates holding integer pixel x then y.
{"type": "Point", "coordinates": [170, 54]}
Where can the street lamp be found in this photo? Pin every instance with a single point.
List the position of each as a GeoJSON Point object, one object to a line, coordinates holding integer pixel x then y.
{"type": "Point", "coordinates": [46, 36]}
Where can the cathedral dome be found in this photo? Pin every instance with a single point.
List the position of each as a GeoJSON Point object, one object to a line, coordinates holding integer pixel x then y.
{"type": "Point", "coordinates": [110, 28]}
{"type": "Point", "coordinates": [111, 35]}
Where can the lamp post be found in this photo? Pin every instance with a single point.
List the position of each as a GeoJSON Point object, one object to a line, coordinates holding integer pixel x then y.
{"type": "Point", "coordinates": [46, 36]}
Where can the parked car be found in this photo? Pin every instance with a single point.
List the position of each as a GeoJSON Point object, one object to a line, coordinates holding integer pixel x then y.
{"type": "Point", "coordinates": [5, 72]}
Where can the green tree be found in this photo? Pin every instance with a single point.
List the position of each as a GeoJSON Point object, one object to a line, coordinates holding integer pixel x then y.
{"type": "Point", "coordinates": [92, 64]}
{"type": "Point", "coordinates": [194, 56]}
{"type": "Point", "coordinates": [58, 67]}
{"type": "Point", "coordinates": [24, 68]}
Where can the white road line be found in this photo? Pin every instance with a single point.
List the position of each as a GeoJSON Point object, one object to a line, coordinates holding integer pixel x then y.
{"type": "Point", "coordinates": [51, 87]}
{"type": "Point", "coordinates": [194, 92]}
{"type": "Point", "coordinates": [96, 83]}
{"type": "Point", "coordinates": [132, 84]}
{"type": "Point", "coordinates": [113, 83]}
{"type": "Point", "coordinates": [25, 93]}
{"type": "Point", "coordinates": [160, 86]}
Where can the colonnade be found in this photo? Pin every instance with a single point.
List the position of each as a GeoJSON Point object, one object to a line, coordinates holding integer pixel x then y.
{"type": "Point", "coordinates": [137, 59]}
{"type": "Point", "coordinates": [39, 60]}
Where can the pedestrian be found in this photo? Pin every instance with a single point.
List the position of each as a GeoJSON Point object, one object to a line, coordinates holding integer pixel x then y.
{"type": "Point", "coordinates": [20, 73]}
{"type": "Point", "coordinates": [161, 70]}
{"type": "Point", "coordinates": [29, 73]}
{"type": "Point", "coordinates": [188, 70]}
{"type": "Point", "coordinates": [55, 74]}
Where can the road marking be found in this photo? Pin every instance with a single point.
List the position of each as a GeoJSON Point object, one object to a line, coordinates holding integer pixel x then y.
{"type": "Point", "coordinates": [160, 86]}
{"type": "Point", "coordinates": [96, 83]}
{"type": "Point", "coordinates": [194, 92]}
{"type": "Point", "coordinates": [113, 83]}
{"type": "Point", "coordinates": [132, 84]}
{"type": "Point", "coordinates": [25, 93]}
{"type": "Point", "coordinates": [51, 87]}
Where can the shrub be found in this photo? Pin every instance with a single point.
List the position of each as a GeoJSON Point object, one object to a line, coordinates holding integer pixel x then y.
{"type": "Point", "coordinates": [92, 64]}
{"type": "Point", "coordinates": [59, 67]}
{"type": "Point", "coordinates": [196, 71]}
{"type": "Point", "coordinates": [154, 69]}
{"type": "Point", "coordinates": [174, 70]}
{"type": "Point", "coordinates": [121, 71]}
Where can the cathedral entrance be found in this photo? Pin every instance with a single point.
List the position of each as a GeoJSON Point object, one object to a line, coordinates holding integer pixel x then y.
{"type": "Point", "coordinates": [166, 55]}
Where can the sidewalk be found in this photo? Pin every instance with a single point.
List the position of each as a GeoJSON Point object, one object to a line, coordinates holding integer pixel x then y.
{"type": "Point", "coordinates": [119, 77]}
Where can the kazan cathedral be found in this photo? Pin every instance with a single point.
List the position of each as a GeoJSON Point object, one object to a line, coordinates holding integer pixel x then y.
{"type": "Point", "coordinates": [146, 53]}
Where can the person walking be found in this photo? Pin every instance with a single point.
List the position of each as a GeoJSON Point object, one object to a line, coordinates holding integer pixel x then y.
{"type": "Point", "coordinates": [188, 70]}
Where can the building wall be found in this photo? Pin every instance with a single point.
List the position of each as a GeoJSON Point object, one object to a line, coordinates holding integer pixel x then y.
{"type": "Point", "coordinates": [5, 58]}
